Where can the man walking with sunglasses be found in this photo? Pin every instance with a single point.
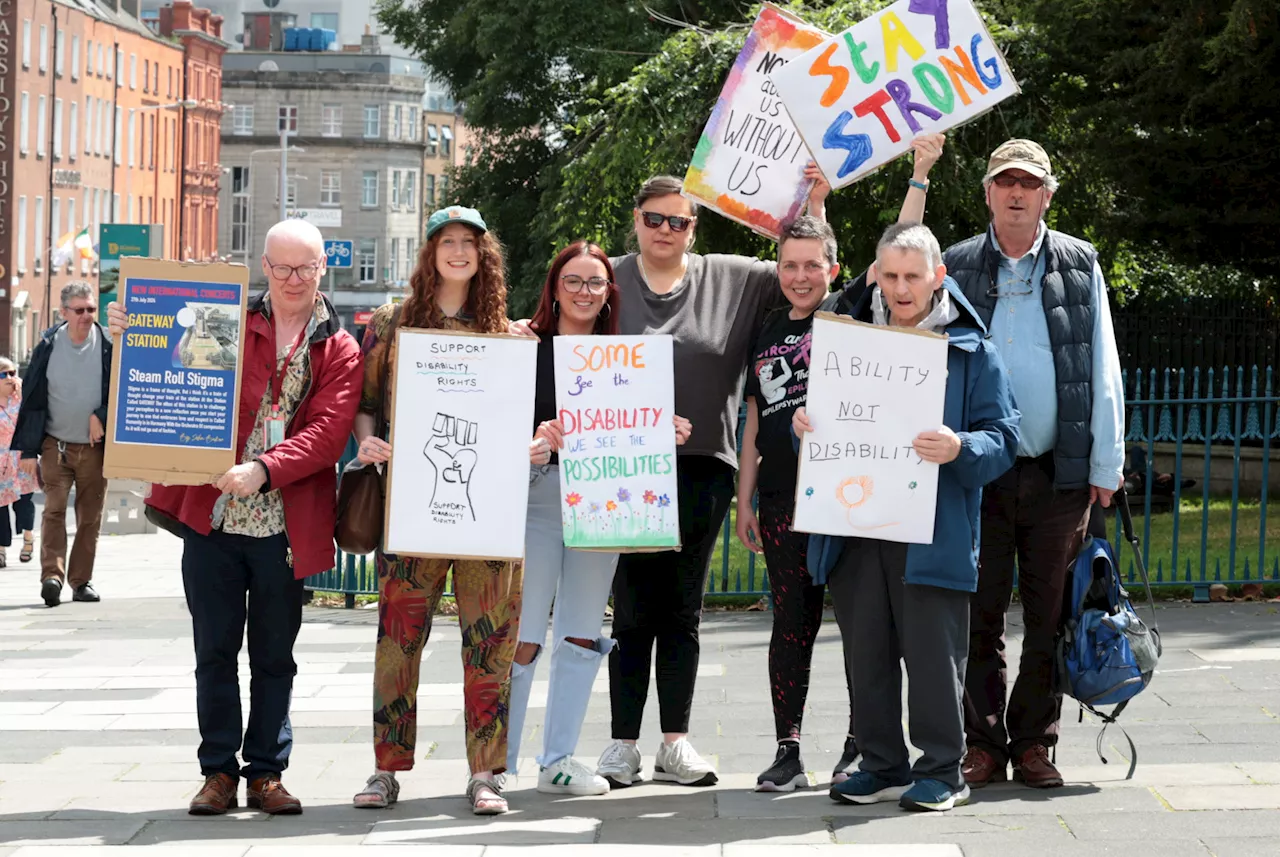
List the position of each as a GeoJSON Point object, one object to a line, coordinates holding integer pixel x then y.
{"type": "Point", "coordinates": [63, 421]}
{"type": "Point", "coordinates": [1043, 298]}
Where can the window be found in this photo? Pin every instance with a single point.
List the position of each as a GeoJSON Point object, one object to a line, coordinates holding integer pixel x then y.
{"type": "Point", "coordinates": [433, 140]}
{"type": "Point", "coordinates": [119, 67]}
{"type": "Point", "coordinates": [368, 256]}
{"type": "Point", "coordinates": [372, 121]}
{"type": "Point", "coordinates": [71, 217]}
{"type": "Point", "coordinates": [393, 259]}
{"type": "Point", "coordinates": [330, 187]}
{"type": "Point", "coordinates": [128, 208]}
{"type": "Point", "coordinates": [115, 207]}
{"type": "Point", "coordinates": [395, 190]}
{"type": "Point", "coordinates": [331, 120]}
{"type": "Point", "coordinates": [429, 189]}
{"type": "Point", "coordinates": [103, 68]}
{"type": "Point", "coordinates": [88, 58]}
{"type": "Point", "coordinates": [369, 189]}
{"type": "Point", "coordinates": [242, 119]}
{"type": "Point", "coordinates": [55, 224]}
{"type": "Point", "coordinates": [395, 123]}
{"type": "Point", "coordinates": [146, 75]}
{"type": "Point", "coordinates": [75, 57]}
{"type": "Point", "coordinates": [446, 140]}
{"type": "Point", "coordinates": [287, 120]}
{"type": "Point", "coordinates": [170, 77]}
{"type": "Point", "coordinates": [291, 187]}
{"type": "Point", "coordinates": [133, 71]}
{"type": "Point", "coordinates": [240, 201]}
{"type": "Point", "coordinates": [133, 138]}
{"type": "Point", "coordinates": [57, 128]}
{"type": "Point", "coordinates": [325, 20]}
{"type": "Point", "coordinates": [24, 124]}
{"type": "Point", "coordinates": [42, 106]}
{"type": "Point", "coordinates": [22, 234]}
{"type": "Point", "coordinates": [73, 144]}
{"type": "Point", "coordinates": [410, 190]}
{"type": "Point", "coordinates": [415, 131]}
{"type": "Point", "coordinates": [443, 195]}
{"type": "Point", "coordinates": [59, 52]}
{"type": "Point", "coordinates": [155, 79]}
{"type": "Point", "coordinates": [116, 137]}
{"type": "Point", "coordinates": [26, 44]}
{"type": "Point", "coordinates": [44, 48]}
{"type": "Point", "coordinates": [88, 125]}
{"type": "Point", "coordinates": [39, 232]}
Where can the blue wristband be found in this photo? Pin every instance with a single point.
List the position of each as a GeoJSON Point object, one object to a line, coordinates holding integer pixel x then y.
{"type": "Point", "coordinates": [924, 186]}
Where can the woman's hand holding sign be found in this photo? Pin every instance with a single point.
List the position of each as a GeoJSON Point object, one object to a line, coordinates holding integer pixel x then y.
{"type": "Point", "coordinates": [684, 428]}
{"type": "Point", "coordinates": [547, 439]}
{"type": "Point", "coordinates": [800, 422]}
{"type": "Point", "coordinates": [373, 450]}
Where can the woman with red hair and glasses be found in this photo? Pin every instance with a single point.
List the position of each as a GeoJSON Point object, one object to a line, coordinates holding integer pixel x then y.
{"type": "Point", "coordinates": [579, 299]}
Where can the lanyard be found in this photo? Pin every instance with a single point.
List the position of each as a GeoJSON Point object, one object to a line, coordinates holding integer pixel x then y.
{"type": "Point", "coordinates": [277, 378]}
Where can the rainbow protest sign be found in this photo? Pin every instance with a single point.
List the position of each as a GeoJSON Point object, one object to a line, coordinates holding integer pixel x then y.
{"type": "Point", "coordinates": [749, 164]}
{"type": "Point", "coordinates": [918, 66]}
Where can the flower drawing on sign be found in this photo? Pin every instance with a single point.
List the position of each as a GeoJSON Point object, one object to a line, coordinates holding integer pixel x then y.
{"type": "Point", "coordinates": [573, 499]}
{"type": "Point", "coordinates": [808, 492]}
{"type": "Point", "coordinates": [853, 493]}
{"type": "Point", "coordinates": [650, 498]}
{"type": "Point", "coordinates": [611, 506]}
{"type": "Point", "coordinates": [624, 496]}
{"type": "Point", "coordinates": [664, 501]}
{"type": "Point", "coordinates": [595, 508]}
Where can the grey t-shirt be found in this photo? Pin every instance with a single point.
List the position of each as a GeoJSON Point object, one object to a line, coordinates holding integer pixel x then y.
{"type": "Point", "coordinates": [75, 385]}
{"type": "Point", "coordinates": [713, 315]}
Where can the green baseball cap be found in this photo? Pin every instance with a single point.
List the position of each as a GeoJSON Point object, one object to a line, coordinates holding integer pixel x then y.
{"type": "Point", "coordinates": [455, 214]}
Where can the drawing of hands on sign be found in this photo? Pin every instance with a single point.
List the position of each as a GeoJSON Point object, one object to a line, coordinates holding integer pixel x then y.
{"type": "Point", "coordinates": [452, 455]}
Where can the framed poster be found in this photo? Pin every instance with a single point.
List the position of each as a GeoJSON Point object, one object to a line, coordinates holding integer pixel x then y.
{"type": "Point", "coordinates": [173, 413]}
{"type": "Point", "coordinates": [749, 163]}
{"type": "Point", "coordinates": [615, 396]}
{"type": "Point", "coordinates": [872, 389]}
{"type": "Point", "coordinates": [461, 422]}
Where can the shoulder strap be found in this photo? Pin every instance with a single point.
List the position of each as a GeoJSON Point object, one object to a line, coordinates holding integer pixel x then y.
{"type": "Point", "coordinates": [381, 430]}
{"type": "Point", "coordinates": [1126, 522]}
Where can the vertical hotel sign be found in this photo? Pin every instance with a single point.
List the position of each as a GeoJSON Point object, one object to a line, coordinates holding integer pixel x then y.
{"type": "Point", "coordinates": [8, 83]}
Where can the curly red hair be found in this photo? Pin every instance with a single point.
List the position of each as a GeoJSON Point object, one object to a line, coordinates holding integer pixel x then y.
{"type": "Point", "coordinates": [486, 298]}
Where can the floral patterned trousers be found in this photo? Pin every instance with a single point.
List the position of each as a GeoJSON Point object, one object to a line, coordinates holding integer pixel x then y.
{"type": "Point", "coordinates": [488, 598]}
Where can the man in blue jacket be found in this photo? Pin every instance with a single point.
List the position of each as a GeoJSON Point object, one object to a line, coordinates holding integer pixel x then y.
{"type": "Point", "coordinates": [911, 602]}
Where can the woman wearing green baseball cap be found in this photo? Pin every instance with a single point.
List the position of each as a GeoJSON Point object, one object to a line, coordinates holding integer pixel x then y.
{"type": "Point", "coordinates": [459, 284]}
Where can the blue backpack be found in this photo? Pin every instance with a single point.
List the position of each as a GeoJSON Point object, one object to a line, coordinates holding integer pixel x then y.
{"type": "Point", "coordinates": [1106, 653]}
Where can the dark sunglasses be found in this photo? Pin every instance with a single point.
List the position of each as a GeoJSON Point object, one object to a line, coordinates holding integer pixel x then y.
{"type": "Point", "coordinates": [81, 310]}
{"type": "Point", "coordinates": [8, 373]}
{"type": "Point", "coordinates": [654, 221]}
{"type": "Point", "coordinates": [1028, 182]}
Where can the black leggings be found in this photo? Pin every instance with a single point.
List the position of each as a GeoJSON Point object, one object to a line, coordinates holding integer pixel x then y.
{"type": "Point", "coordinates": [657, 598]}
{"type": "Point", "coordinates": [24, 510]}
{"type": "Point", "coordinates": [797, 614]}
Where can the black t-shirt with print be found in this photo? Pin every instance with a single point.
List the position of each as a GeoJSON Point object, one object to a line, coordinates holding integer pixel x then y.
{"type": "Point", "coordinates": [778, 379]}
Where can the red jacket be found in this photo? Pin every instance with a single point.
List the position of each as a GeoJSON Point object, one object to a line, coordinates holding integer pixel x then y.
{"type": "Point", "coordinates": [303, 467]}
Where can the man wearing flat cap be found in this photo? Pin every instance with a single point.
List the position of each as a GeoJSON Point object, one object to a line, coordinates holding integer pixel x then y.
{"type": "Point", "coordinates": [1043, 298]}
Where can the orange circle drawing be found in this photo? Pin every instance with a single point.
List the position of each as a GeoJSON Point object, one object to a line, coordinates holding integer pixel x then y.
{"type": "Point", "coordinates": [865, 486]}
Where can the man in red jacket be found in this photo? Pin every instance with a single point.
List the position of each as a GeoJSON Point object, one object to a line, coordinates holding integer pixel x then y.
{"type": "Point", "coordinates": [266, 523]}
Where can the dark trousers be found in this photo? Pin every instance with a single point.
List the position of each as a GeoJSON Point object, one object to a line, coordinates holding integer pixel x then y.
{"type": "Point", "coordinates": [797, 614]}
{"type": "Point", "coordinates": [230, 579]}
{"type": "Point", "coordinates": [657, 599]}
{"type": "Point", "coordinates": [884, 621]}
{"type": "Point", "coordinates": [24, 513]}
{"type": "Point", "coordinates": [1023, 517]}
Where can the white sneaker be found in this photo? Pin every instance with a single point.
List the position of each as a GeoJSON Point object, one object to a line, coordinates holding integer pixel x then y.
{"type": "Point", "coordinates": [570, 777]}
{"type": "Point", "coordinates": [680, 763]}
{"type": "Point", "coordinates": [620, 765]}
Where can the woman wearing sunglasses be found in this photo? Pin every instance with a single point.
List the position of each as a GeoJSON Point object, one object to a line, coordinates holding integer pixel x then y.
{"type": "Point", "coordinates": [16, 485]}
{"type": "Point", "coordinates": [579, 299]}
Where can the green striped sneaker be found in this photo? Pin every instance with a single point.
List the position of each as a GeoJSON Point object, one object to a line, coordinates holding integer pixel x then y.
{"type": "Point", "coordinates": [570, 777]}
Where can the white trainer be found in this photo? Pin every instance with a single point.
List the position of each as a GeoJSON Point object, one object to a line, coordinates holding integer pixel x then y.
{"type": "Point", "coordinates": [620, 764]}
{"type": "Point", "coordinates": [680, 763]}
{"type": "Point", "coordinates": [570, 777]}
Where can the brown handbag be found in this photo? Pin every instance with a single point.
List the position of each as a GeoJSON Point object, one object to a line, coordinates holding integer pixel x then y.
{"type": "Point", "coordinates": [362, 491]}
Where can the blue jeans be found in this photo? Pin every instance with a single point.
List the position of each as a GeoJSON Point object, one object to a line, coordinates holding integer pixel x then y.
{"type": "Point", "coordinates": [218, 572]}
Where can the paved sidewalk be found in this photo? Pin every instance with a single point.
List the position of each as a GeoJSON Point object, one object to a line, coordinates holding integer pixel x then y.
{"type": "Point", "coordinates": [98, 738]}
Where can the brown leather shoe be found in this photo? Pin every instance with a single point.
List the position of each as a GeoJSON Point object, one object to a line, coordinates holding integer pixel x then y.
{"type": "Point", "coordinates": [268, 794]}
{"type": "Point", "coordinates": [1034, 768]}
{"type": "Point", "coordinates": [980, 768]}
{"type": "Point", "coordinates": [216, 797]}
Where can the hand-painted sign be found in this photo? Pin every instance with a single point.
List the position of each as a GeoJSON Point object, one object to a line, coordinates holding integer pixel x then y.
{"type": "Point", "coordinates": [918, 66]}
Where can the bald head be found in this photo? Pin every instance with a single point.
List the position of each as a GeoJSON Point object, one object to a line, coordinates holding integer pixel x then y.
{"type": "Point", "coordinates": [293, 234]}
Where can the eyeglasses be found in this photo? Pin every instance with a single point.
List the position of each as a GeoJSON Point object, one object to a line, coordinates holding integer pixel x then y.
{"type": "Point", "coordinates": [1028, 182]}
{"type": "Point", "coordinates": [8, 373]}
{"type": "Point", "coordinates": [573, 284]}
{"type": "Point", "coordinates": [1016, 287]}
{"type": "Point", "coordinates": [79, 310]}
{"type": "Point", "coordinates": [283, 272]}
{"type": "Point", "coordinates": [654, 220]}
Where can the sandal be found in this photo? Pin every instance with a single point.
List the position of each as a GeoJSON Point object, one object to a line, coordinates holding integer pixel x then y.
{"type": "Point", "coordinates": [27, 549]}
{"type": "Point", "coordinates": [379, 792]}
{"type": "Point", "coordinates": [481, 805]}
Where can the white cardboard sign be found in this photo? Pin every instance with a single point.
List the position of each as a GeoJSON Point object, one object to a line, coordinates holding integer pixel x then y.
{"type": "Point", "coordinates": [461, 421]}
{"type": "Point", "coordinates": [871, 391]}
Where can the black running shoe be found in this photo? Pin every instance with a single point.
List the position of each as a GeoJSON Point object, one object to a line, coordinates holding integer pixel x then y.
{"type": "Point", "coordinates": [786, 773]}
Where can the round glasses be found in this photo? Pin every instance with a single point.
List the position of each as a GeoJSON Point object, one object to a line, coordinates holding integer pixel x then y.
{"type": "Point", "coordinates": [573, 284]}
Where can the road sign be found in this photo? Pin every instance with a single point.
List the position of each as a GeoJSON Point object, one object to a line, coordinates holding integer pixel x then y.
{"type": "Point", "coordinates": [339, 253]}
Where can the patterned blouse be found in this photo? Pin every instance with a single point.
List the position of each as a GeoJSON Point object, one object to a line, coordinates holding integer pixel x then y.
{"type": "Point", "coordinates": [14, 483]}
{"type": "Point", "coordinates": [262, 515]}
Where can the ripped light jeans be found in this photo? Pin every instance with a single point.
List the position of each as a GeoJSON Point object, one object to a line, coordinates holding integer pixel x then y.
{"type": "Point", "coordinates": [579, 583]}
